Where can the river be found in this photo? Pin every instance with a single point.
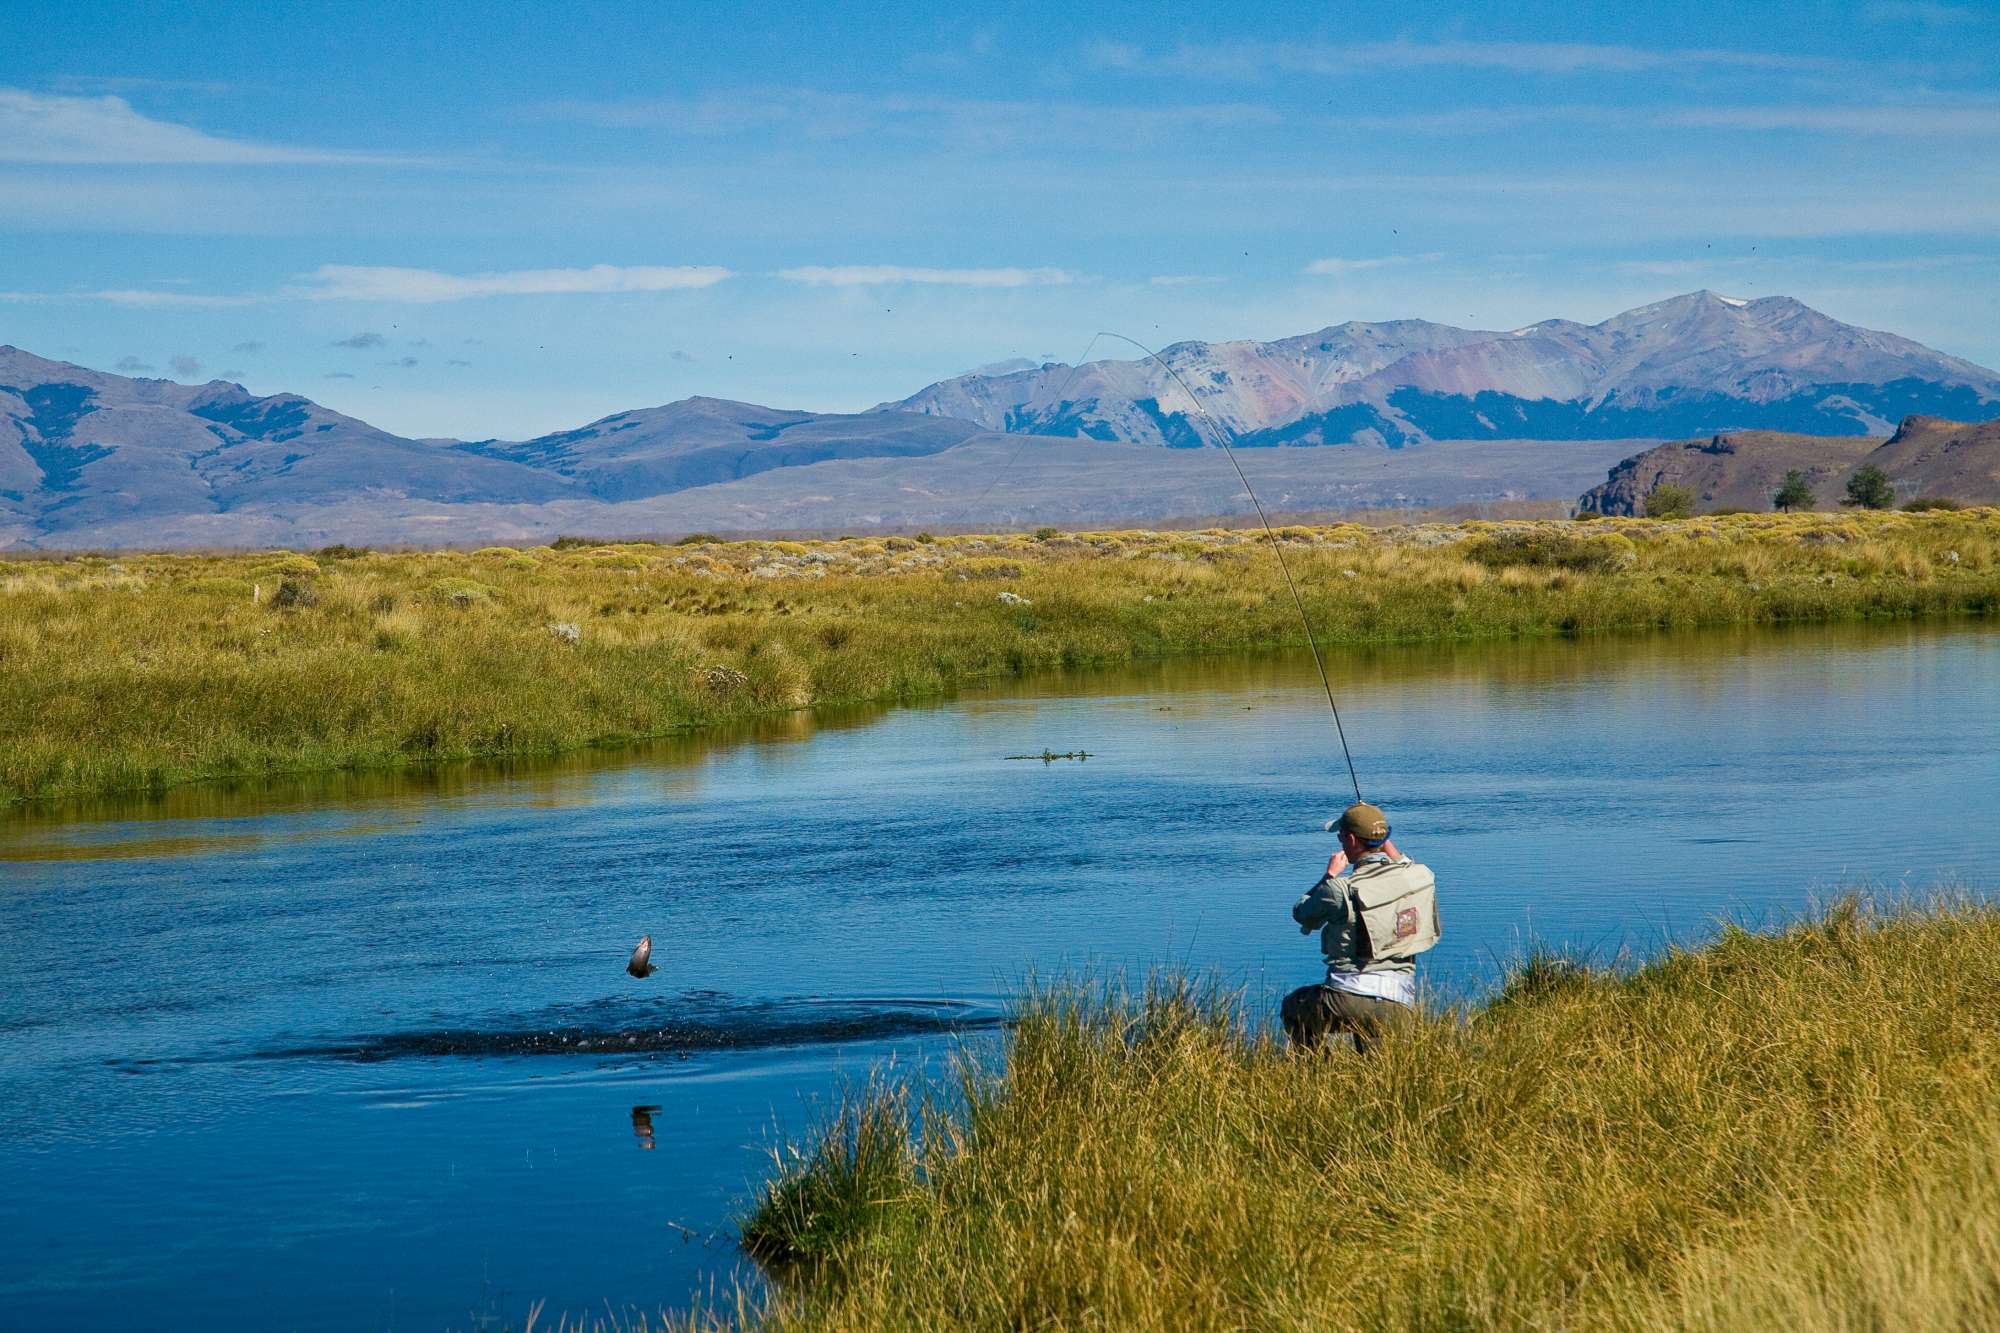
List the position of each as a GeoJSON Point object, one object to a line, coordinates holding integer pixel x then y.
{"type": "Point", "coordinates": [360, 1052]}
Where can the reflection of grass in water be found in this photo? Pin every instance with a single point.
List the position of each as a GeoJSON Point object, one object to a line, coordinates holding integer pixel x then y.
{"type": "Point", "coordinates": [1794, 1131]}
{"type": "Point", "coordinates": [143, 671]}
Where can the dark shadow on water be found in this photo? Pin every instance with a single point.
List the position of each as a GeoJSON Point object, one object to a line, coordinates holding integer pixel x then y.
{"type": "Point", "coordinates": [686, 1026]}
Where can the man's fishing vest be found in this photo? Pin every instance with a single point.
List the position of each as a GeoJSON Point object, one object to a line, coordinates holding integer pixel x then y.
{"type": "Point", "coordinates": [1396, 903]}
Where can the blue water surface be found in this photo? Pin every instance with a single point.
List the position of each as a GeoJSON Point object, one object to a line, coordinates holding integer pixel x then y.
{"type": "Point", "coordinates": [360, 1052]}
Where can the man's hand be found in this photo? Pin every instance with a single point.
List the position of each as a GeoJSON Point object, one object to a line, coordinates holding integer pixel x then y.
{"type": "Point", "coordinates": [1336, 864]}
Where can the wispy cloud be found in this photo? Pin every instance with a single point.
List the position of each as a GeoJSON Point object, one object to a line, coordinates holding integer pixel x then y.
{"type": "Point", "coordinates": [106, 131]}
{"type": "Point", "coordinates": [1243, 60]}
{"type": "Point", "coordinates": [1681, 268]}
{"type": "Point", "coordinates": [251, 348]}
{"type": "Point", "coordinates": [143, 297]}
{"type": "Point", "coordinates": [1923, 13]}
{"type": "Point", "coordinates": [129, 365]}
{"type": "Point", "coordinates": [1183, 280]}
{"type": "Point", "coordinates": [118, 83]}
{"type": "Point", "coordinates": [415, 286]}
{"type": "Point", "coordinates": [1923, 120]}
{"type": "Point", "coordinates": [360, 341]}
{"type": "Point", "coordinates": [419, 286]}
{"type": "Point", "coordinates": [961, 121]}
{"type": "Point", "coordinates": [338, 375]}
{"type": "Point", "coordinates": [874, 275]}
{"type": "Point", "coordinates": [1333, 267]}
{"type": "Point", "coordinates": [184, 366]}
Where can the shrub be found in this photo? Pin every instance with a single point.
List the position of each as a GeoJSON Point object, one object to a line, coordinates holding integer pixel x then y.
{"type": "Point", "coordinates": [294, 590]}
{"type": "Point", "coordinates": [290, 562]}
{"type": "Point", "coordinates": [1549, 548]}
{"type": "Point", "coordinates": [340, 551]}
{"type": "Point", "coordinates": [1926, 503]}
{"type": "Point", "coordinates": [698, 539]}
{"type": "Point", "coordinates": [1046, 534]}
{"type": "Point", "coordinates": [462, 593]}
{"type": "Point", "coordinates": [1794, 493]}
{"type": "Point", "coordinates": [925, 538]}
{"type": "Point", "coordinates": [1669, 500]}
{"type": "Point", "coordinates": [1869, 488]}
{"type": "Point", "coordinates": [573, 543]}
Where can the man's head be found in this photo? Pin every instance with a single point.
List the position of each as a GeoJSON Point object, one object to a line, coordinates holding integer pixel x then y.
{"type": "Point", "coordinates": [1363, 828]}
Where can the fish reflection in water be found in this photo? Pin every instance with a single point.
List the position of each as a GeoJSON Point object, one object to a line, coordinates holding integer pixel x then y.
{"type": "Point", "coordinates": [642, 1126]}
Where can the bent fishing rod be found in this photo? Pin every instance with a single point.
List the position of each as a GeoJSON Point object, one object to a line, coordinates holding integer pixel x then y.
{"type": "Point", "coordinates": [1222, 435]}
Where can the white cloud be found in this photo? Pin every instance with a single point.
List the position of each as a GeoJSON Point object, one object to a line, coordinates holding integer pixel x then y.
{"type": "Point", "coordinates": [1920, 120]}
{"type": "Point", "coordinates": [872, 275]}
{"type": "Point", "coordinates": [962, 122]}
{"type": "Point", "coordinates": [1334, 267]}
{"type": "Point", "coordinates": [1250, 59]}
{"type": "Point", "coordinates": [143, 297]}
{"type": "Point", "coordinates": [106, 131]}
{"type": "Point", "coordinates": [1183, 280]}
{"type": "Point", "coordinates": [419, 286]}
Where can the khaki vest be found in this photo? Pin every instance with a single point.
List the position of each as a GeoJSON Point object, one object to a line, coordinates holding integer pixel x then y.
{"type": "Point", "coordinates": [1397, 905]}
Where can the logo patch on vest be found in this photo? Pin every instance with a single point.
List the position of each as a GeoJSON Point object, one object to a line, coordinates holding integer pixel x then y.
{"type": "Point", "coordinates": [1406, 922]}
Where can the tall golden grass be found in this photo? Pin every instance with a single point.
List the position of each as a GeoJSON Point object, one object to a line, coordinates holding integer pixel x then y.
{"type": "Point", "coordinates": [137, 672]}
{"type": "Point", "coordinates": [1789, 1131]}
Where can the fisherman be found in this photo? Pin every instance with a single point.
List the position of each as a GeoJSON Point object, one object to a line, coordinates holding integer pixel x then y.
{"type": "Point", "coordinates": [1376, 910]}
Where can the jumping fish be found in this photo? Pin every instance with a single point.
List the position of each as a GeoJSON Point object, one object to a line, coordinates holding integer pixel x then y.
{"type": "Point", "coordinates": [642, 958]}
{"type": "Point", "coordinates": [642, 1126]}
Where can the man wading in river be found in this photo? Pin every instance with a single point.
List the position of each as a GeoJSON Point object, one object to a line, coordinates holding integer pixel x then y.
{"type": "Point", "coordinates": [1375, 910]}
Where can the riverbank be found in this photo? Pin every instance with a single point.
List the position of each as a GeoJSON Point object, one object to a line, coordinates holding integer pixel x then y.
{"type": "Point", "coordinates": [1793, 1131]}
{"type": "Point", "coordinates": [140, 672]}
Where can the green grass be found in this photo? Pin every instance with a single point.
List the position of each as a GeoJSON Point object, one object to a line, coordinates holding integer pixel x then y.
{"type": "Point", "coordinates": [139, 672]}
{"type": "Point", "coordinates": [1788, 1131]}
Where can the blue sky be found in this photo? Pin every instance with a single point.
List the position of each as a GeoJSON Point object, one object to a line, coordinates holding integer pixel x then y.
{"type": "Point", "coordinates": [474, 220]}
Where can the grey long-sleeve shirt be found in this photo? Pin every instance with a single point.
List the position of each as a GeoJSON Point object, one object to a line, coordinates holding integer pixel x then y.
{"type": "Point", "coordinates": [1328, 908]}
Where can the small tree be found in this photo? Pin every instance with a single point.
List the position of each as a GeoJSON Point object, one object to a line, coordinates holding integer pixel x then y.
{"type": "Point", "coordinates": [1670, 501]}
{"type": "Point", "coordinates": [1795, 493]}
{"type": "Point", "coordinates": [1869, 488]}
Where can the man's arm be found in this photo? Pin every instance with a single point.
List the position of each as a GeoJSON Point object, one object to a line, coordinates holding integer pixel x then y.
{"type": "Point", "coordinates": [1323, 902]}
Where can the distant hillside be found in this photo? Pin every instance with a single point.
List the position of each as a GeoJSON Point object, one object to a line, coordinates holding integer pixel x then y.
{"type": "Point", "coordinates": [94, 459]}
{"type": "Point", "coordinates": [89, 458]}
{"type": "Point", "coordinates": [1743, 469]}
{"type": "Point", "coordinates": [702, 441]}
{"type": "Point", "coordinates": [1694, 364]}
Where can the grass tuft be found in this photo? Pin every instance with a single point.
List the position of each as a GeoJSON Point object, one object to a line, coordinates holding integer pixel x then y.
{"type": "Point", "coordinates": [1795, 1130]}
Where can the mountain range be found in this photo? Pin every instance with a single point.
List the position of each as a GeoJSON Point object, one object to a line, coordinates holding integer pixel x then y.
{"type": "Point", "coordinates": [1696, 363]}
{"type": "Point", "coordinates": [89, 458]}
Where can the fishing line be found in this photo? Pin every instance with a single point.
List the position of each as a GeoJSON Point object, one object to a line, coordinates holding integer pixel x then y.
{"type": "Point", "coordinates": [1277, 547]}
{"type": "Point", "coordinates": [1022, 447]}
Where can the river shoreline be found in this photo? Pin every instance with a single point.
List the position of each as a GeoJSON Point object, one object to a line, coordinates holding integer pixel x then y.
{"type": "Point", "coordinates": [144, 672]}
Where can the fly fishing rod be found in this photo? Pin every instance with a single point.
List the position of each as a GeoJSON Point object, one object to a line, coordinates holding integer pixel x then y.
{"type": "Point", "coordinates": [1222, 434]}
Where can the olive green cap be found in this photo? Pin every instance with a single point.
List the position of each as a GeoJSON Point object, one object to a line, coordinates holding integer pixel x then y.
{"type": "Point", "coordinates": [1364, 821]}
